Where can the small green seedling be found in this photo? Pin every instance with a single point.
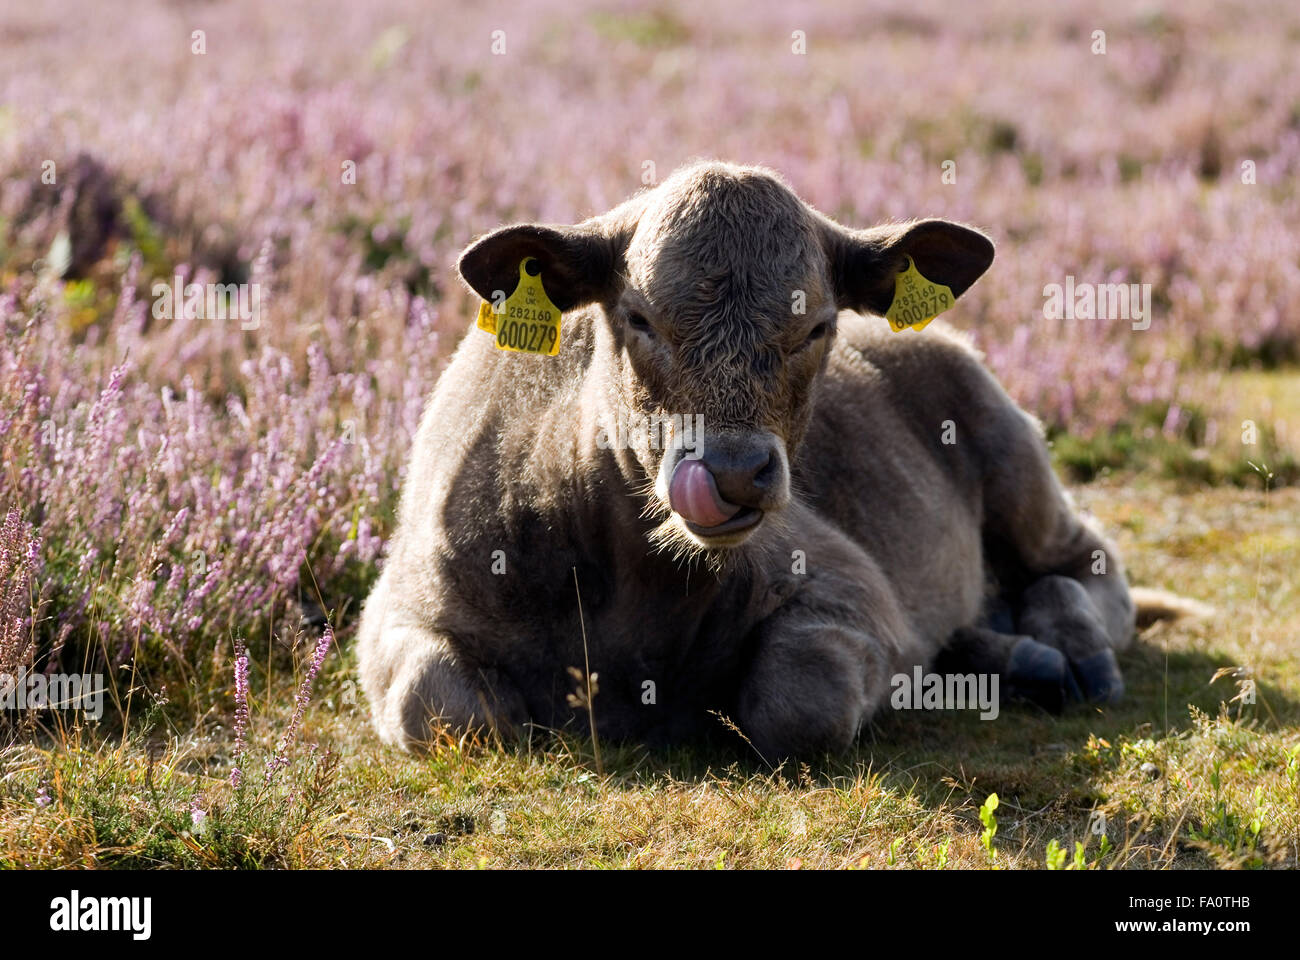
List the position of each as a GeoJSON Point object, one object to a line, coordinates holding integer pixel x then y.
{"type": "Point", "coordinates": [990, 825]}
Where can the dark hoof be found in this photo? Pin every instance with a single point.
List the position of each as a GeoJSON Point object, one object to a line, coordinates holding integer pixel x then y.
{"type": "Point", "coordinates": [1040, 674]}
{"type": "Point", "coordinates": [1100, 678]}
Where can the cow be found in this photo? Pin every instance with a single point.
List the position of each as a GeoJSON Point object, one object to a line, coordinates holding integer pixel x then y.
{"type": "Point", "coordinates": [856, 501]}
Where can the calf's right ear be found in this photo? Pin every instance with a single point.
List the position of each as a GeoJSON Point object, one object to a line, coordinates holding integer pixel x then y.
{"type": "Point", "coordinates": [578, 263]}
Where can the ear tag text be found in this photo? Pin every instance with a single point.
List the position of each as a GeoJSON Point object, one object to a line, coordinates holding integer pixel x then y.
{"type": "Point", "coordinates": [917, 300]}
{"type": "Point", "coordinates": [528, 322]}
{"type": "Point", "coordinates": [487, 318]}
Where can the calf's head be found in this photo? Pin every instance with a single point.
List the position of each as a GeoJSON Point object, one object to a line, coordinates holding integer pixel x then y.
{"type": "Point", "coordinates": [719, 290]}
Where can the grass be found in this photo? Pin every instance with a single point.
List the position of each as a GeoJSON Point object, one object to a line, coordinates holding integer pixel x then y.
{"type": "Point", "coordinates": [1184, 773]}
{"type": "Point", "coordinates": [1242, 419]}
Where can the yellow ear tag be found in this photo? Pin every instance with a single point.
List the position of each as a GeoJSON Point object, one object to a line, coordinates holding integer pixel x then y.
{"type": "Point", "coordinates": [917, 300]}
{"type": "Point", "coordinates": [528, 321]}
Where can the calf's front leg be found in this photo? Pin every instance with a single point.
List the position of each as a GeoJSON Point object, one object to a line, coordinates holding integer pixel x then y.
{"type": "Point", "coordinates": [417, 683]}
{"type": "Point", "coordinates": [821, 663]}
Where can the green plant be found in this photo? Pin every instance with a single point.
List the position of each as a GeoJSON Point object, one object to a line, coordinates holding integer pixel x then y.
{"type": "Point", "coordinates": [990, 822]}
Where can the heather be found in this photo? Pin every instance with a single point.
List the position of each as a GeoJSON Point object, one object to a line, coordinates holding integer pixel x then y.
{"type": "Point", "coordinates": [180, 493]}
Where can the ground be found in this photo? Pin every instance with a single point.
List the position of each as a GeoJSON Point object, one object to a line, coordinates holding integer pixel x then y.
{"type": "Point", "coordinates": [1184, 773]}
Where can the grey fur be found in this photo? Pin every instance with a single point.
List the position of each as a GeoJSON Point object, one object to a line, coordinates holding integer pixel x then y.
{"type": "Point", "coordinates": [901, 533]}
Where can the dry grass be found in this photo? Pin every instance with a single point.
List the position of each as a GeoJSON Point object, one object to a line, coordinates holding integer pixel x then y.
{"type": "Point", "coordinates": [1184, 775]}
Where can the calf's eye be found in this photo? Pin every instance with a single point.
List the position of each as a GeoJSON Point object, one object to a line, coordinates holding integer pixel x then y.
{"type": "Point", "coordinates": [815, 334]}
{"type": "Point", "coordinates": [638, 322]}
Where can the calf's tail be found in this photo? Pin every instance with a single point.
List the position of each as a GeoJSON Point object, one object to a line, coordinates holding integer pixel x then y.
{"type": "Point", "coordinates": [1153, 605]}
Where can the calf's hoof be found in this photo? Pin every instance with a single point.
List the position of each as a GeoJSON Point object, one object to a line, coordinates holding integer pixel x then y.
{"type": "Point", "coordinates": [1041, 675]}
{"type": "Point", "coordinates": [1099, 677]}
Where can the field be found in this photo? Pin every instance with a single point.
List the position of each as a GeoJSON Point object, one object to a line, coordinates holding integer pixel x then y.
{"type": "Point", "coordinates": [177, 488]}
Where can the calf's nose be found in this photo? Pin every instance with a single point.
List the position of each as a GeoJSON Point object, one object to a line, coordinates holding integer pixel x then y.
{"type": "Point", "coordinates": [745, 477]}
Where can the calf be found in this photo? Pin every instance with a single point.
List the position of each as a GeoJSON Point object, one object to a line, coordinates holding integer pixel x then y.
{"type": "Point", "coordinates": [858, 501]}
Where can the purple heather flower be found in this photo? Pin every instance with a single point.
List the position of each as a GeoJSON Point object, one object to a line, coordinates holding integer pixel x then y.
{"type": "Point", "coordinates": [300, 702]}
{"type": "Point", "coordinates": [241, 710]}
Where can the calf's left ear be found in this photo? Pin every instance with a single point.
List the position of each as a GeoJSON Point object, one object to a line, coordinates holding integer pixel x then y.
{"type": "Point", "coordinates": [865, 263]}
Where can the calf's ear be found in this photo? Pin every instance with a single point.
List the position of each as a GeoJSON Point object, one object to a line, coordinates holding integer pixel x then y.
{"type": "Point", "coordinates": [865, 263]}
{"type": "Point", "coordinates": [577, 263]}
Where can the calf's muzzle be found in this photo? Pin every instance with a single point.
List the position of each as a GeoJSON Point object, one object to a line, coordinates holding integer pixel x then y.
{"type": "Point", "coordinates": [727, 490]}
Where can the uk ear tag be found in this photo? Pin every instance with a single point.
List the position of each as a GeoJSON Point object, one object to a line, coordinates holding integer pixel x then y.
{"type": "Point", "coordinates": [487, 318]}
{"type": "Point", "coordinates": [917, 300]}
{"type": "Point", "coordinates": [528, 321]}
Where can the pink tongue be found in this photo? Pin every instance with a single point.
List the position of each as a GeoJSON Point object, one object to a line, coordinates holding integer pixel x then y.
{"type": "Point", "coordinates": [694, 495]}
